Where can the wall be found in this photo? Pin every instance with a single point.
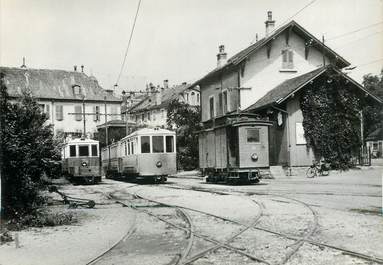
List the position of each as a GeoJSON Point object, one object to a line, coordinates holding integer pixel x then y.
{"type": "Point", "coordinates": [300, 154]}
{"type": "Point", "coordinates": [69, 123]}
{"type": "Point", "coordinates": [216, 86]}
{"type": "Point", "coordinates": [263, 74]}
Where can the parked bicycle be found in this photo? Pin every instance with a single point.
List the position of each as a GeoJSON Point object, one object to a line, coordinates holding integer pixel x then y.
{"type": "Point", "coordinates": [318, 169]}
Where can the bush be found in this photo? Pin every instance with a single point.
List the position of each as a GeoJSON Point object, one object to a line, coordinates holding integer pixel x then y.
{"type": "Point", "coordinates": [41, 218]}
{"type": "Point", "coordinates": [27, 151]}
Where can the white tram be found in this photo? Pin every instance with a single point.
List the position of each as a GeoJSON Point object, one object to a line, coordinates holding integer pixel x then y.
{"type": "Point", "coordinates": [146, 154]}
{"type": "Point", "coordinates": [81, 161]}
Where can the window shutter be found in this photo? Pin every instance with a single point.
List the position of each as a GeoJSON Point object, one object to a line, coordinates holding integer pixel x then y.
{"type": "Point", "coordinates": [47, 110]}
{"type": "Point", "coordinates": [59, 112]}
{"type": "Point", "coordinates": [95, 113]}
{"type": "Point", "coordinates": [290, 59]}
{"type": "Point", "coordinates": [78, 111]}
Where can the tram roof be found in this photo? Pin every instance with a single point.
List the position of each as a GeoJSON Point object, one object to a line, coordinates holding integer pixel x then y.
{"type": "Point", "coordinates": [149, 131]}
{"type": "Point", "coordinates": [81, 141]}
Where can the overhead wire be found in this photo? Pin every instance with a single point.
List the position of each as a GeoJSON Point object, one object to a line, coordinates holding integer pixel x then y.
{"type": "Point", "coordinates": [354, 31]}
{"type": "Point", "coordinates": [129, 42]}
{"type": "Point", "coordinates": [350, 42]}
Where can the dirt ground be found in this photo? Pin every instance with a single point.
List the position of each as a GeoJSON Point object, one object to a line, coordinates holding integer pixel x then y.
{"type": "Point", "coordinates": [326, 220]}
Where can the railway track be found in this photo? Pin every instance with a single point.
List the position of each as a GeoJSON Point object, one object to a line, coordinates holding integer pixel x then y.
{"type": "Point", "coordinates": [130, 231]}
{"type": "Point", "coordinates": [299, 241]}
{"type": "Point", "coordinates": [190, 231]}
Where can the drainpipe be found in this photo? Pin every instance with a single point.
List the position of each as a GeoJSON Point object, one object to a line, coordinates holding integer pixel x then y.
{"type": "Point", "coordinates": [288, 138]}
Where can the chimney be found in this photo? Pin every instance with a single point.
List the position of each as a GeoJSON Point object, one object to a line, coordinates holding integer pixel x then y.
{"type": "Point", "coordinates": [23, 66]}
{"type": "Point", "coordinates": [166, 83]}
{"type": "Point", "coordinates": [270, 23]}
{"type": "Point", "coordinates": [221, 56]}
{"type": "Point", "coordinates": [75, 68]}
{"type": "Point", "coordinates": [82, 68]}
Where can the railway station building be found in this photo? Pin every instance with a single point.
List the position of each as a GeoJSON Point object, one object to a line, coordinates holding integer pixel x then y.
{"type": "Point", "coordinates": [265, 80]}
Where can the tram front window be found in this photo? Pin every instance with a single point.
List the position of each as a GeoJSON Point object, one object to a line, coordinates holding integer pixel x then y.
{"type": "Point", "coordinates": [94, 149]}
{"type": "Point", "coordinates": [83, 150]}
{"type": "Point", "coordinates": [145, 144]}
{"type": "Point", "coordinates": [169, 144]}
{"type": "Point", "coordinates": [72, 150]}
{"type": "Point", "coordinates": [158, 144]}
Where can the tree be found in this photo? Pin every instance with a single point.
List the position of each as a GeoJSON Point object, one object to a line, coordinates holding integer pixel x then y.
{"type": "Point", "coordinates": [186, 120]}
{"type": "Point", "coordinates": [28, 152]}
{"type": "Point", "coordinates": [373, 114]}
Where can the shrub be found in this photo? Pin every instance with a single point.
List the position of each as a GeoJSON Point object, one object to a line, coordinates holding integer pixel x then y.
{"type": "Point", "coordinates": [27, 151]}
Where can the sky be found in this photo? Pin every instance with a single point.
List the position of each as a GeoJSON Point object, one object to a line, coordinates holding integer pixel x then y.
{"type": "Point", "coordinates": [174, 39]}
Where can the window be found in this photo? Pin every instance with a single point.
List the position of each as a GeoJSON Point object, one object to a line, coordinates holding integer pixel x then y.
{"type": "Point", "coordinates": [96, 110]}
{"type": "Point", "coordinates": [287, 59]}
{"type": "Point", "coordinates": [145, 144]}
{"type": "Point", "coordinates": [47, 110]}
{"type": "Point", "coordinates": [187, 97]}
{"type": "Point", "coordinates": [72, 150]}
{"type": "Point", "coordinates": [132, 145]}
{"type": "Point", "coordinates": [44, 108]}
{"type": "Point", "coordinates": [126, 149]}
{"type": "Point", "coordinates": [158, 144]}
{"type": "Point", "coordinates": [220, 103]}
{"type": "Point", "coordinates": [143, 116]}
{"type": "Point", "coordinates": [149, 116]}
{"type": "Point", "coordinates": [169, 144]}
{"type": "Point", "coordinates": [59, 112]}
{"type": "Point", "coordinates": [76, 90]}
{"type": "Point", "coordinates": [211, 104]}
{"type": "Point", "coordinates": [225, 109]}
{"type": "Point", "coordinates": [253, 135]}
{"type": "Point", "coordinates": [78, 113]}
{"type": "Point", "coordinates": [94, 149]}
{"type": "Point", "coordinates": [129, 147]}
{"type": "Point", "coordinates": [83, 150]}
{"type": "Point", "coordinates": [197, 98]}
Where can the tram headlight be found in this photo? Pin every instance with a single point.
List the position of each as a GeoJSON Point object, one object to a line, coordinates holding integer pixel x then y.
{"type": "Point", "coordinates": [254, 157]}
{"type": "Point", "coordinates": [84, 164]}
{"type": "Point", "coordinates": [159, 164]}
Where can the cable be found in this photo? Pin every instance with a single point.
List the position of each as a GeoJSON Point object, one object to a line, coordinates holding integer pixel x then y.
{"type": "Point", "coordinates": [354, 31]}
{"type": "Point", "coordinates": [370, 62]}
{"type": "Point", "coordinates": [127, 48]}
{"type": "Point", "coordinates": [364, 37]}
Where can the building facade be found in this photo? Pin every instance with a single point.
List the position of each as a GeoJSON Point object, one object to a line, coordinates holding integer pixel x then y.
{"type": "Point", "coordinates": [266, 79]}
{"type": "Point", "coordinates": [64, 96]}
{"type": "Point", "coordinates": [152, 110]}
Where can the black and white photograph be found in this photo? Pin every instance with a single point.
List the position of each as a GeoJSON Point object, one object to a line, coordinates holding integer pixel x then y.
{"type": "Point", "coordinates": [203, 132]}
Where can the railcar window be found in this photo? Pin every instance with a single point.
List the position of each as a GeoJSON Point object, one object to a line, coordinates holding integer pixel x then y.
{"type": "Point", "coordinates": [169, 144]}
{"type": "Point", "coordinates": [72, 150]}
{"type": "Point", "coordinates": [83, 150]}
{"type": "Point", "coordinates": [94, 149]}
{"type": "Point", "coordinates": [158, 144]}
{"type": "Point", "coordinates": [253, 135]}
{"type": "Point", "coordinates": [145, 144]}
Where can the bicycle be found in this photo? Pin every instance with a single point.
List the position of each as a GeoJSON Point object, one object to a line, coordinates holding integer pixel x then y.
{"type": "Point", "coordinates": [323, 169]}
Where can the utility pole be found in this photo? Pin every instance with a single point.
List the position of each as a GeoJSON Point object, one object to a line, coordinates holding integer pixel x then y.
{"type": "Point", "coordinates": [83, 115]}
{"type": "Point", "coordinates": [106, 132]}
